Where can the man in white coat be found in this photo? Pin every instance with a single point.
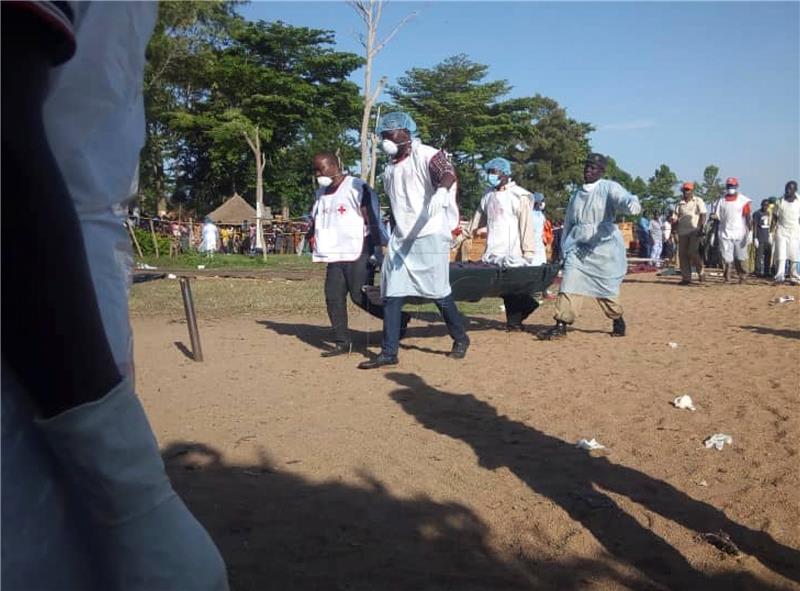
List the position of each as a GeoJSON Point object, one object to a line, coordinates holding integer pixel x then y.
{"type": "Point", "coordinates": [594, 251]}
{"type": "Point", "coordinates": [421, 184]}
{"type": "Point", "coordinates": [786, 220]}
{"type": "Point", "coordinates": [733, 213]}
{"type": "Point", "coordinates": [509, 243]}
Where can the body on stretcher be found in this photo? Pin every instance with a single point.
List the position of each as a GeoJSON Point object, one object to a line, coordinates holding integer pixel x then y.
{"type": "Point", "coordinates": [471, 282]}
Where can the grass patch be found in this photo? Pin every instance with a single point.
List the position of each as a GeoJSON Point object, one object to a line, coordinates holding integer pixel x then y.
{"type": "Point", "coordinates": [230, 261]}
{"type": "Point", "coordinates": [216, 297]}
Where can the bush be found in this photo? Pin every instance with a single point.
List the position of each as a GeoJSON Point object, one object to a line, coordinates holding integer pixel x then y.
{"type": "Point", "coordinates": [146, 243]}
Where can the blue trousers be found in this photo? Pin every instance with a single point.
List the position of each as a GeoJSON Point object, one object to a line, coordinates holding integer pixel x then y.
{"type": "Point", "coordinates": [392, 322]}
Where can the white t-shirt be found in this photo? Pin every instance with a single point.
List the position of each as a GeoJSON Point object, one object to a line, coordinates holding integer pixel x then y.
{"type": "Point", "coordinates": [339, 227]}
{"type": "Point", "coordinates": [787, 217]}
{"type": "Point", "coordinates": [732, 223]}
{"type": "Point", "coordinates": [409, 187]}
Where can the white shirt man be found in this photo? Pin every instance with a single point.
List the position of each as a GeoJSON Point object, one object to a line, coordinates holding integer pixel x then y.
{"type": "Point", "coordinates": [733, 213]}
{"type": "Point", "coordinates": [786, 219]}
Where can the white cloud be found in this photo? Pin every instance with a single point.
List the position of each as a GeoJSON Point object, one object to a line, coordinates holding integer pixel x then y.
{"type": "Point", "coordinates": [628, 125]}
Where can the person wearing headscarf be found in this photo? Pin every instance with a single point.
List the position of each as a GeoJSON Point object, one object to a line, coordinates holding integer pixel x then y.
{"type": "Point", "coordinates": [421, 184]}
{"type": "Point", "coordinates": [594, 251]}
{"type": "Point", "coordinates": [506, 208]}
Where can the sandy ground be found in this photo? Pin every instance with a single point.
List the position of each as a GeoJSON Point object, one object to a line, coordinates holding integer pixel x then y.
{"type": "Point", "coordinates": [438, 474]}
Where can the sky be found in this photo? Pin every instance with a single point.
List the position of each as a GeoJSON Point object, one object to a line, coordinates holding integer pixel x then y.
{"type": "Point", "coordinates": [686, 84]}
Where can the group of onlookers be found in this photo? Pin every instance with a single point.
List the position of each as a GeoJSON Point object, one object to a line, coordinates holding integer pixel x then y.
{"type": "Point", "coordinates": [726, 233]}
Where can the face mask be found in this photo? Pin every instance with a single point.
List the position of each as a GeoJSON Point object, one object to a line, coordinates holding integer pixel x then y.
{"type": "Point", "coordinates": [390, 147]}
{"type": "Point", "coordinates": [493, 180]}
{"type": "Point", "coordinates": [324, 181]}
{"type": "Point", "coordinates": [541, 205]}
{"type": "Point", "coordinates": [731, 191]}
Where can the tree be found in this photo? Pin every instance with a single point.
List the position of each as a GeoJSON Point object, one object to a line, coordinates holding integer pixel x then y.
{"type": "Point", "coordinates": [638, 187]}
{"type": "Point", "coordinates": [457, 110]}
{"type": "Point", "coordinates": [371, 12]}
{"type": "Point", "coordinates": [182, 42]}
{"type": "Point", "coordinates": [615, 173]}
{"type": "Point", "coordinates": [286, 81]}
{"type": "Point", "coordinates": [661, 184]}
{"type": "Point", "coordinates": [711, 188]}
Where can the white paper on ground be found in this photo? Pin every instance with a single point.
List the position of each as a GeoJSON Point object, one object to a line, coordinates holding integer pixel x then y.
{"type": "Point", "coordinates": [590, 444]}
{"type": "Point", "coordinates": [684, 402]}
{"type": "Point", "coordinates": [718, 440]}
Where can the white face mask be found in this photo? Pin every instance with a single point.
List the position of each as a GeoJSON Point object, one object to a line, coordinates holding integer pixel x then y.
{"type": "Point", "coordinates": [389, 147]}
{"type": "Point", "coordinates": [541, 205]}
{"type": "Point", "coordinates": [731, 190]}
{"type": "Point", "coordinates": [324, 181]}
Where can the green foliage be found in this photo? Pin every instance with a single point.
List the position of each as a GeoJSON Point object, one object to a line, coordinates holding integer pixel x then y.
{"type": "Point", "coordinates": [457, 110]}
{"type": "Point", "coordinates": [661, 185]}
{"type": "Point", "coordinates": [211, 76]}
{"type": "Point", "coordinates": [711, 188]}
{"type": "Point", "coordinates": [145, 240]}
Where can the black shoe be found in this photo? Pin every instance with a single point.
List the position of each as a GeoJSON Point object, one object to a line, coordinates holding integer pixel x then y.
{"type": "Point", "coordinates": [515, 327]}
{"type": "Point", "coordinates": [619, 328]}
{"type": "Point", "coordinates": [559, 331]}
{"type": "Point", "coordinates": [378, 361]}
{"type": "Point", "coordinates": [459, 350]}
{"type": "Point", "coordinates": [404, 325]}
{"type": "Point", "coordinates": [338, 349]}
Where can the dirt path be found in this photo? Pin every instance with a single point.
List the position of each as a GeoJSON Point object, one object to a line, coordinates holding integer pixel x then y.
{"type": "Point", "coordinates": [435, 474]}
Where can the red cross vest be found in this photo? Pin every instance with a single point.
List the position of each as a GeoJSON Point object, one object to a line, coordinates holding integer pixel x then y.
{"type": "Point", "coordinates": [339, 227]}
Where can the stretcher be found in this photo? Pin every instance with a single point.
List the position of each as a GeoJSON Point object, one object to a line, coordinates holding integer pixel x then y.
{"type": "Point", "coordinates": [472, 282]}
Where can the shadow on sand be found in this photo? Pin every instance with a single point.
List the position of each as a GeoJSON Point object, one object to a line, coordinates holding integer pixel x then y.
{"type": "Point", "coordinates": [279, 531]}
{"type": "Point", "coordinates": [578, 482]}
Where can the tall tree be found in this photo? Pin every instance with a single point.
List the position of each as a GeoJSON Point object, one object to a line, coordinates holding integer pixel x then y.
{"type": "Point", "coordinates": [286, 81]}
{"type": "Point", "coordinates": [661, 185]}
{"type": "Point", "coordinates": [711, 188]}
{"type": "Point", "coordinates": [638, 187]}
{"type": "Point", "coordinates": [371, 12]}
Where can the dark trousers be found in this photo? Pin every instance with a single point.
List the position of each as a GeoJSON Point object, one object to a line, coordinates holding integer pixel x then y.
{"type": "Point", "coordinates": [764, 259]}
{"type": "Point", "coordinates": [342, 279]}
{"type": "Point", "coordinates": [518, 307]}
{"type": "Point", "coordinates": [393, 319]}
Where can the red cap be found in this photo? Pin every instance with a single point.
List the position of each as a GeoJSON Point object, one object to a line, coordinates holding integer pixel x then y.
{"type": "Point", "coordinates": [688, 186]}
{"type": "Point", "coordinates": [732, 181]}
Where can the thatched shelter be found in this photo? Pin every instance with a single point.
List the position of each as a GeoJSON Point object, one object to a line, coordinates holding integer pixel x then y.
{"type": "Point", "coordinates": [233, 212]}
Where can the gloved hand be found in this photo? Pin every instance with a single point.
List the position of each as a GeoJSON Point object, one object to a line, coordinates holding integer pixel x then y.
{"type": "Point", "coordinates": [439, 200]}
{"type": "Point", "coordinates": [755, 242]}
{"type": "Point", "coordinates": [149, 538]}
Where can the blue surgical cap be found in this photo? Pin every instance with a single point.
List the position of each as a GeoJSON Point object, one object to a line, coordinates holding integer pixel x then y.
{"type": "Point", "coordinates": [538, 197]}
{"type": "Point", "coordinates": [397, 120]}
{"type": "Point", "coordinates": [500, 164]}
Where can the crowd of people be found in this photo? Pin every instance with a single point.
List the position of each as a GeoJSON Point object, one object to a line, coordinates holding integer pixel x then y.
{"type": "Point", "coordinates": [726, 232]}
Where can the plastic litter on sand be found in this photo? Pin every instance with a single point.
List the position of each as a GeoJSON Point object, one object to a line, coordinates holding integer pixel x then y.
{"type": "Point", "coordinates": [590, 444]}
{"type": "Point", "coordinates": [718, 440]}
{"type": "Point", "coordinates": [172, 276]}
{"type": "Point", "coordinates": [672, 345]}
{"type": "Point", "coordinates": [684, 402]}
{"type": "Point", "coordinates": [782, 300]}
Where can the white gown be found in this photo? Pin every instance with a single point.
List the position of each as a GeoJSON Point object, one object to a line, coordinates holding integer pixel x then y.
{"type": "Point", "coordinates": [417, 261]}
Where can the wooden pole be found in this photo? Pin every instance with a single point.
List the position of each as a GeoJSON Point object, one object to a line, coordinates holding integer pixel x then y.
{"type": "Point", "coordinates": [133, 237]}
{"type": "Point", "coordinates": [191, 319]}
{"type": "Point", "coordinates": [153, 234]}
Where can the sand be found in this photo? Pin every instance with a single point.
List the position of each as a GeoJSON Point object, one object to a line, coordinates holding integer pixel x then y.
{"type": "Point", "coordinates": [439, 474]}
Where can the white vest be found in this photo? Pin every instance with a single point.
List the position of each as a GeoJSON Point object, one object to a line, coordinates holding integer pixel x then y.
{"type": "Point", "coordinates": [787, 215]}
{"type": "Point", "coordinates": [732, 224]}
{"type": "Point", "coordinates": [502, 222]}
{"type": "Point", "coordinates": [409, 187]}
{"type": "Point", "coordinates": [339, 227]}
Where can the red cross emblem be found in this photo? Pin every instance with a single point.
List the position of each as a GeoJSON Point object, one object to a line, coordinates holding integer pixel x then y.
{"type": "Point", "coordinates": [341, 209]}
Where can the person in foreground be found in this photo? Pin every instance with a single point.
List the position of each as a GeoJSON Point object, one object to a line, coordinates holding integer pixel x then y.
{"type": "Point", "coordinates": [510, 243]}
{"type": "Point", "coordinates": [86, 502]}
{"type": "Point", "coordinates": [594, 251]}
{"type": "Point", "coordinates": [421, 184]}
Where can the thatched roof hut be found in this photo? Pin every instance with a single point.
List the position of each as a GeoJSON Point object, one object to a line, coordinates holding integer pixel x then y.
{"type": "Point", "coordinates": [233, 212]}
